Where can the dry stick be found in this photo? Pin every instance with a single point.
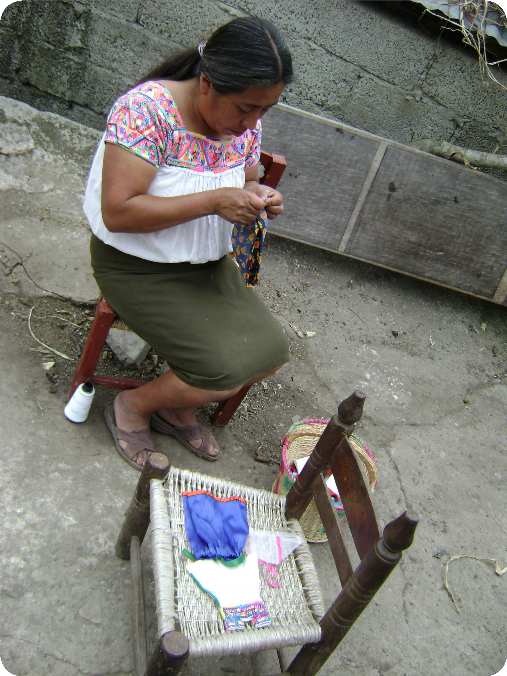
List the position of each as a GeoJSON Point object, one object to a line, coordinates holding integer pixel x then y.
{"type": "Point", "coordinates": [471, 12]}
{"type": "Point", "coordinates": [296, 330]}
{"type": "Point", "coordinates": [60, 354]}
{"type": "Point", "coordinates": [53, 293]}
{"type": "Point", "coordinates": [355, 313]}
{"type": "Point", "coordinates": [498, 571]}
{"type": "Point", "coordinates": [467, 156]}
{"type": "Point", "coordinates": [62, 319]}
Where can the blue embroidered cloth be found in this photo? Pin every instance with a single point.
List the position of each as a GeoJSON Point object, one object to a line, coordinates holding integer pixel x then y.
{"type": "Point", "coordinates": [247, 241]}
{"type": "Point", "coordinates": [216, 527]}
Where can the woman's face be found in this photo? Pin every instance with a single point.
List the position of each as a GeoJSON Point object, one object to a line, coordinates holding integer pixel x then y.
{"type": "Point", "coordinates": [231, 115]}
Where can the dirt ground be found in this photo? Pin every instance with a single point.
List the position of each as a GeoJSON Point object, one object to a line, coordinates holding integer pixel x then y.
{"type": "Point", "coordinates": [433, 366]}
{"type": "Point", "coordinates": [63, 326]}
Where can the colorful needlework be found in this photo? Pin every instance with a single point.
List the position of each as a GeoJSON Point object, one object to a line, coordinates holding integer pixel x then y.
{"type": "Point", "coordinates": [247, 241]}
{"type": "Point", "coordinates": [236, 591]}
{"type": "Point", "coordinates": [147, 122]}
{"type": "Point", "coordinates": [236, 618]}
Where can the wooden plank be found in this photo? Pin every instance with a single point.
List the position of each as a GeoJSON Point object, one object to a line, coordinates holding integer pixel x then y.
{"type": "Point", "coordinates": [326, 168]}
{"type": "Point", "coordinates": [440, 222]}
{"type": "Point", "coordinates": [501, 291]}
{"type": "Point", "coordinates": [355, 497]}
{"type": "Point", "coordinates": [329, 519]}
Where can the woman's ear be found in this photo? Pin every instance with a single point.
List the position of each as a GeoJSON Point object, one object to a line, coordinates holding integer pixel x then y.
{"type": "Point", "coordinates": [205, 85]}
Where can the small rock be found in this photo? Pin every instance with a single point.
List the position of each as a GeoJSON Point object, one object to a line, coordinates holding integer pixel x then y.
{"type": "Point", "coordinates": [310, 334]}
{"type": "Point", "coordinates": [48, 365]}
{"type": "Point", "coordinates": [164, 367]}
{"type": "Point", "coordinates": [483, 326]}
{"type": "Point", "coordinates": [439, 553]}
{"type": "Point", "coordinates": [395, 334]}
{"type": "Point", "coordinates": [128, 347]}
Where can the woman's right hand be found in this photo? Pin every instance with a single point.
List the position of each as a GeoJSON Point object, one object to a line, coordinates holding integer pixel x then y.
{"type": "Point", "coordinates": [237, 205]}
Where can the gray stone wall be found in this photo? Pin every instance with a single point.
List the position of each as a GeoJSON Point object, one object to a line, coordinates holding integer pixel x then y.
{"type": "Point", "coordinates": [361, 62]}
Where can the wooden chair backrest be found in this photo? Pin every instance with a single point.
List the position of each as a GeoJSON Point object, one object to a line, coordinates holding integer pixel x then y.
{"type": "Point", "coordinates": [333, 451]}
{"type": "Point", "coordinates": [379, 554]}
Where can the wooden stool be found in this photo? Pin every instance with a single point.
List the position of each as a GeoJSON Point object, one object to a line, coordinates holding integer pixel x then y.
{"type": "Point", "coordinates": [274, 166]}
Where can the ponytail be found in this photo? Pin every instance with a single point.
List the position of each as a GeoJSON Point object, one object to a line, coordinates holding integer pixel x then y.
{"type": "Point", "coordinates": [246, 52]}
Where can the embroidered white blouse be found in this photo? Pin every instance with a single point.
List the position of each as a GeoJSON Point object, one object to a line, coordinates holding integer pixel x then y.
{"type": "Point", "coordinates": [146, 122]}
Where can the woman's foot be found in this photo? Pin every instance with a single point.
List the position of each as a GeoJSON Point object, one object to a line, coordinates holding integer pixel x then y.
{"type": "Point", "coordinates": [182, 424]}
{"type": "Point", "coordinates": [131, 432]}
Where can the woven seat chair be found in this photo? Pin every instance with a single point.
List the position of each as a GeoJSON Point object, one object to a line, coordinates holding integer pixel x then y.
{"type": "Point", "coordinates": [189, 623]}
{"type": "Point", "coordinates": [105, 318]}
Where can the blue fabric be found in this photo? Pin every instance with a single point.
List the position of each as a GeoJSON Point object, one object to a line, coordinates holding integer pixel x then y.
{"type": "Point", "coordinates": [247, 241]}
{"type": "Point", "coordinates": [215, 528]}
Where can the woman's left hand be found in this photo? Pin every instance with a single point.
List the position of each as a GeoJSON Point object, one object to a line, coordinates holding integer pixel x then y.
{"type": "Point", "coordinates": [273, 199]}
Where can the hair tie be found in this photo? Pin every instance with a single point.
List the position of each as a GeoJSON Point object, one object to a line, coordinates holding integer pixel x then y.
{"type": "Point", "coordinates": [200, 47]}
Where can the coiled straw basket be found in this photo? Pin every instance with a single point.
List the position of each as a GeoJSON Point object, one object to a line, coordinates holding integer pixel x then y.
{"type": "Point", "coordinates": [299, 442]}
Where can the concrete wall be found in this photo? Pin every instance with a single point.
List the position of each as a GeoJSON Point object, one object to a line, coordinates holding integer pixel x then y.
{"type": "Point", "coordinates": [364, 63]}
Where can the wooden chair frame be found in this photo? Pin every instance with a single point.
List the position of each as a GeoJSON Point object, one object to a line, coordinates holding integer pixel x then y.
{"type": "Point", "coordinates": [274, 166]}
{"type": "Point", "coordinates": [379, 554]}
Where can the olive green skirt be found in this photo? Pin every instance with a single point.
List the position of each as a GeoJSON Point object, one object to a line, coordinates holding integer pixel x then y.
{"type": "Point", "coordinates": [214, 332]}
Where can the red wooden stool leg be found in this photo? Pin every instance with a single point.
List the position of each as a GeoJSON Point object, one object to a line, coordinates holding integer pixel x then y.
{"type": "Point", "coordinates": [104, 317]}
{"type": "Point", "coordinates": [227, 408]}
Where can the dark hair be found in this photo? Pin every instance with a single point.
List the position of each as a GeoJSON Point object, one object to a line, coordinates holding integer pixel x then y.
{"type": "Point", "coordinates": [246, 52]}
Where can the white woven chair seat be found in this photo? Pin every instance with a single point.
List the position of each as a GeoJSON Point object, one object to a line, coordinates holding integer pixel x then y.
{"type": "Point", "coordinates": [295, 607]}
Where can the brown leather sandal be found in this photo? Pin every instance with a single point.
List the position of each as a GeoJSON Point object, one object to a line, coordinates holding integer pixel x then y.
{"type": "Point", "coordinates": [186, 434]}
{"type": "Point", "coordinates": [138, 441]}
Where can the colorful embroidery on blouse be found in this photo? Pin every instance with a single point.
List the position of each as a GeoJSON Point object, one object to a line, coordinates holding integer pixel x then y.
{"type": "Point", "coordinates": [147, 122]}
{"type": "Point", "coordinates": [247, 241]}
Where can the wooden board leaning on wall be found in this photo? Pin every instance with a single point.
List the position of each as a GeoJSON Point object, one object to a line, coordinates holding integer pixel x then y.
{"type": "Point", "coordinates": [388, 204]}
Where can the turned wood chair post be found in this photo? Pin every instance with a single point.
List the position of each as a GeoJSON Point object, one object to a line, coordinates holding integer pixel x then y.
{"type": "Point", "coordinates": [341, 425]}
{"type": "Point", "coordinates": [364, 583]}
{"type": "Point", "coordinates": [128, 546]}
{"type": "Point", "coordinates": [169, 655]}
{"type": "Point", "coordinates": [138, 608]}
{"type": "Point", "coordinates": [137, 517]}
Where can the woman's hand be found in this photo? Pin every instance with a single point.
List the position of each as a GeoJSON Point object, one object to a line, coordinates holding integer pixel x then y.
{"type": "Point", "coordinates": [237, 205]}
{"type": "Point", "coordinates": [273, 200]}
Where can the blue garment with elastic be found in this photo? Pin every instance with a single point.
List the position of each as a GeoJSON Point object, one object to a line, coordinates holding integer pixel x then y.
{"type": "Point", "coordinates": [215, 529]}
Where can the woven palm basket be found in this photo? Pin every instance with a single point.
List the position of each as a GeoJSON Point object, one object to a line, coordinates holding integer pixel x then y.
{"type": "Point", "coordinates": [299, 442]}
